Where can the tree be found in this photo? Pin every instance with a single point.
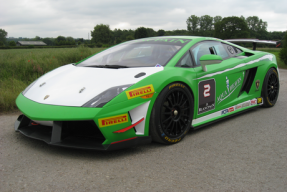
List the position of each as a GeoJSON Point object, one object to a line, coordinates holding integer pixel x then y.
{"type": "Point", "coordinates": [1, 43]}
{"type": "Point", "coordinates": [283, 51]}
{"type": "Point", "coordinates": [70, 40]}
{"type": "Point", "coordinates": [193, 24]}
{"type": "Point", "coordinates": [61, 38]}
{"type": "Point", "coordinates": [130, 37]}
{"type": "Point", "coordinates": [160, 32]}
{"type": "Point", "coordinates": [141, 32]}
{"type": "Point", "coordinates": [205, 24]}
{"type": "Point", "coordinates": [217, 19]}
{"type": "Point", "coordinates": [257, 27]}
{"type": "Point", "coordinates": [150, 32]}
{"type": "Point", "coordinates": [242, 17]}
{"type": "Point", "coordinates": [3, 35]}
{"type": "Point", "coordinates": [101, 34]}
{"type": "Point", "coordinates": [231, 27]}
{"type": "Point", "coordinates": [118, 35]}
{"type": "Point", "coordinates": [12, 43]}
{"type": "Point", "coordinates": [37, 38]}
{"type": "Point", "coordinates": [48, 41]}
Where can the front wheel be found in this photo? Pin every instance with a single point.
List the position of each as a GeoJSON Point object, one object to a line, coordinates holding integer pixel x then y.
{"type": "Point", "coordinates": [270, 89]}
{"type": "Point", "coordinates": [172, 114]}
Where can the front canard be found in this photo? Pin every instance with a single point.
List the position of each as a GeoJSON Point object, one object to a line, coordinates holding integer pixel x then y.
{"type": "Point", "coordinates": [114, 120]}
{"type": "Point", "coordinates": [141, 91]}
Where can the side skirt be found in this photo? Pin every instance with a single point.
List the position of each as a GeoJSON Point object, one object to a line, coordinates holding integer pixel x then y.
{"type": "Point", "coordinates": [226, 113]}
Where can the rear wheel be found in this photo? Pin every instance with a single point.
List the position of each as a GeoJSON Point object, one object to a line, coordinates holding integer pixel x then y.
{"type": "Point", "coordinates": [270, 89]}
{"type": "Point", "coordinates": [172, 114]}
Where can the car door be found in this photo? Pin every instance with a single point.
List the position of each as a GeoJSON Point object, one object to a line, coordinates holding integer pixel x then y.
{"type": "Point", "coordinates": [218, 87]}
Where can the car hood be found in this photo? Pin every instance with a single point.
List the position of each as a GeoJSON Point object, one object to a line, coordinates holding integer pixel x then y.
{"type": "Point", "coordinates": [74, 86]}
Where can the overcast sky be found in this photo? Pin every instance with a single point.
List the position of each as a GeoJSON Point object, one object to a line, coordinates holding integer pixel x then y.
{"type": "Point", "coordinates": [51, 18]}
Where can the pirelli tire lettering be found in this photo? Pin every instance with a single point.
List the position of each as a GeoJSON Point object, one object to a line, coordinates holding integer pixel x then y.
{"type": "Point", "coordinates": [176, 85]}
{"type": "Point", "coordinates": [172, 140]}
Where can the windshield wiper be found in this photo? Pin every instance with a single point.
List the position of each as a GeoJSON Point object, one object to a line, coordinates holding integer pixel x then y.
{"type": "Point", "coordinates": [108, 66]}
{"type": "Point", "coordinates": [116, 66]}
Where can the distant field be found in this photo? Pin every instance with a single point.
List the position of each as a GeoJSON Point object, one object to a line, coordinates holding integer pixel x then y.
{"type": "Point", "coordinates": [20, 67]}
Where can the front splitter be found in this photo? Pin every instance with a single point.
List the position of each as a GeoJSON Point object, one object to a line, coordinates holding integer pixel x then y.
{"type": "Point", "coordinates": [52, 136]}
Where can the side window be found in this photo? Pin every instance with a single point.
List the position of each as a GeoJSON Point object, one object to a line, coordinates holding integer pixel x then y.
{"type": "Point", "coordinates": [208, 47]}
{"type": "Point", "coordinates": [185, 61]}
{"type": "Point", "coordinates": [233, 51]}
{"type": "Point", "coordinates": [221, 51]}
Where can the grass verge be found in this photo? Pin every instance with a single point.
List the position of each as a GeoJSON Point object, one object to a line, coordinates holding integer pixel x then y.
{"type": "Point", "coordinates": [20, 67]}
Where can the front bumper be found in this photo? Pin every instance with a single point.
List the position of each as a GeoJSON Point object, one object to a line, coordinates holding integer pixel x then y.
{"type": "Point", "coordinates": [61, 119]}
{"type": "Point", "coordinates": [77, 134]}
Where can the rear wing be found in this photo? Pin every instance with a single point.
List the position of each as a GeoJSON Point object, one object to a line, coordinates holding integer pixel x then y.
{"type": "Point", "coordinates": [254, 42]}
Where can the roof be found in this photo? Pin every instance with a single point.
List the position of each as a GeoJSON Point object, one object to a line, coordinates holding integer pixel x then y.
{"type": "Point", "coordinates": [31, 43]}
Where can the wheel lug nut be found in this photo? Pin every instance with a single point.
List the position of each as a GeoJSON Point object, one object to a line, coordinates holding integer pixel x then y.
{"type": "Point", "coordinates": [175, 112]}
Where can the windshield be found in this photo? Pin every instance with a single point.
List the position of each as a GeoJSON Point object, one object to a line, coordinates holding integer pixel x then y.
{"type": "Point", "coordinates": [139, 53]}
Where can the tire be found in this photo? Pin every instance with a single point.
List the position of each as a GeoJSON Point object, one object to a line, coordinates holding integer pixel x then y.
{"type": "Point", "coordinates": [172, 114]}
{"type": "Point", "coordinates": [270, 89]}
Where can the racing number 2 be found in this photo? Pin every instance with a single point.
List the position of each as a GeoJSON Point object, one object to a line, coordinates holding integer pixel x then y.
{"type": "Point", "coordinates": [206, 90]}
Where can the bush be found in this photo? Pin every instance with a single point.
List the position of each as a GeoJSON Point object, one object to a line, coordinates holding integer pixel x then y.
{"type": "Point", "coordinates": [99, 44]}
{"type": "Point", "coordinates": [283, 52]}
{"type": "Point", "coordinates": [12, 43]}
{"type": "Point", "coordinates": [283, 55]}
{"type": "Point", "coordinates": [31, 46]}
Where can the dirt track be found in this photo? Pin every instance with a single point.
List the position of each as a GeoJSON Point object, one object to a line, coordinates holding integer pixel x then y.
{"type": "Point", "coordinates": [244, 153]}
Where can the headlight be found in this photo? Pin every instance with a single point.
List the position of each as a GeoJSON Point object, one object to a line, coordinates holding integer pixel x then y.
{"type": "Point", "coordinates": [27, 89]}
{"type": "Point", "coordinates": [106, 96]}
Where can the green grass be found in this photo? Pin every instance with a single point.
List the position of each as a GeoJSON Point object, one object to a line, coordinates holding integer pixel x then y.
{"type": "Point", "coordinates": [20, 67]}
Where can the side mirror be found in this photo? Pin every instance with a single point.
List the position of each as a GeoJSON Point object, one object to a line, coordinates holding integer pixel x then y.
{"type": "Point", "coordinates": [209, 60]}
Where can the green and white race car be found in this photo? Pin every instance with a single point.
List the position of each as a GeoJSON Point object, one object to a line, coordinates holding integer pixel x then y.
{"type": "Point", "coordinates": [152, 89]}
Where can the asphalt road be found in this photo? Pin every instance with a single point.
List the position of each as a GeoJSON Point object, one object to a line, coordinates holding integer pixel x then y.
{"type": "Point", "coordinates": [243, 153]}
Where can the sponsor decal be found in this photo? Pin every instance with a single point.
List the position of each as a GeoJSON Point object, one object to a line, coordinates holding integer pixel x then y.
{"type": "Point", "coordinates": [223, 112]}
{"type": "Point", "coordinates": [238, 106]}
{"type": "Point", "coordinates": [230, 109]}
{"type": "Point", "coordinates": [114, 120]}
{"type": "Point", "coordinates": [141, 91]}
{"type": "Point", "coordinates": [253, 101]}
{"type": "Point", "coordinates": [259, 100]}
{"type": "Point", "coordinates": [230, 89]}
{"type": "Point", "coordinates": [147, 96]}
{"type": "Point", "coordinates": [206, 97]}
{"type": "Point", "coordinates": [246, 104]}
{"type": "Point", "coordinates": [227, 84]}
{"type": "Point", "coordinates": [257, 83]}
{"type": "Point", "coordinates": [46, 97]}
{"type": "Point", "coordinates": [157, 65]}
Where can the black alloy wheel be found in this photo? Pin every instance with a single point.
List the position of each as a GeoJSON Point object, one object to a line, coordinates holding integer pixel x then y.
{"type": "Point", "coordinates": [172, 114]}
{"type": "Point", "coordinates": [270, 90]}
